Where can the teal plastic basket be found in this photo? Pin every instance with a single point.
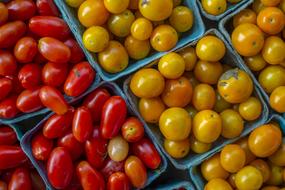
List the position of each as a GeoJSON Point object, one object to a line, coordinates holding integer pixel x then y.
{"type": "Point", "coordinates": [176, 185]}
{"type": "Point", "coordinates": [192, 159]}
{"type": "Point", "coordinates": [70, 16]}
{"type": "Point", "coordinates": [113, 89]}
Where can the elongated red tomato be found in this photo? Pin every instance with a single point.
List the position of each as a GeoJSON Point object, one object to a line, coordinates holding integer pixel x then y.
{"type": "Point", "coordinates": [79, 79]}
{"type": "Point", "coordinates": [21, 180]}
{"type": "Point", "coordinates": [41, 147]}
{"type": "Point", "coordinates": [54, 74]}
{"type": "Point", "coordinates": [8, 65]}
{"type": "Point", "coordinates": [29, 101]}
{"type": "Point", "coordinates": [49, 26]}
{"type": "Point", "coordinates": [118, 180]}
{"type": "Point", "coordinates": [7, 136]}
{"type": "Point", "coordinates": [82, 124]}
{"type": "Point", "coordinates": [6, 86]}
{"type": "Point", "coordinates": [136, 171]}
{"type": "Point", "coordinates": [95, 102]}
{"type": "Point", "coordinates": [21, 10]}
{"type": "Point", "coordinates": [11, 156]}
{"type": "Point", "coordinates": [57, 125]}
{"type": "Point", "coordinates": [47, 8]}
{"type": "Point", "coordinates": [114, 113]}
{"type": "Point", "coordinates": [53, 99]}
{"type": "Point", "coordinates": [3, 13]}
{"type": "Point", "coordinates": [11, 32]}
{"type": "Point", "coordinates": [8, 108]}
{"type": "Point", "coordinates": [90, 178]}
{"type": "Point", "coordinates": [77, 54]}
{"type": "Point", "coordinates": [110, 166]}
{"type": "Point", "coordinates": [59, 168]}
{"type": "Point", "coordinates": [30, 75]}
{"type": "Point", "coordinates": [37, 181]}
{"type": "Point", "coordinates": [54, 50]}
{"type": "Point", "coordinates": [25, 49]}
{"type": "Point", "coordinates": [146, 151]}
{"type": "Point", "coordinates": [17, 86]}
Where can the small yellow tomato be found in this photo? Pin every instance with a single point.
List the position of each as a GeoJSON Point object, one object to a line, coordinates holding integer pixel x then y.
{"type": "Point", "coordinates": [156, 10]}
{"type": "Point", "coordinates": [120, 24]}
{"type": "Point", "coordinates": [263, 167]}
{"type": "Point", "coordinates": [199, 147]}
{"type": "Point", "coordinates": [277, 99]}
{"type": "Point", "coordinates": [218, 184]}
{"type": "Point", "coordinates": [204, 97]}
{"type": "Point", "coordinates": [171, 65]}
{"type": "Point", "coordinates": [116, 6]}
{"type": "Point", "coordinates": [74, 3]}
{"type": "Point", "coordinates": [276, 177]}
{"type": "Point", "coordinates": [245, 16]}
{"type": "Point", "coordinates": [177, 149]}
{"type": "Point", "coordinates": [181, 19]}
{"type": "Point", "coordinates": [95, 39]}
{"type": "Point", "coordinates": [208, 72]}
{"type": "Point", "coordinates": [137, 49]}
{"type": "Point", "coordinates": [232, 124]}
{"type": "Point", "coordinates": [190, 58]}
{"type": "Point", "coordinates": [243, 142]}
{"type": "Point", "coordinates": [256, 62]}
{"type": "Point", "coordinates": [273, 50]}
{"type": "Point", "coordinates": [141, 29]}
{"type": "Point", "coordinates": [151, 109]}
{"type": "Point", "coordinates": [270, 3]}
{"type": "Point", "coordinates": [214, 7]}
{"type": "Point", "coordinates": [221, 104]}
{"type": "Point", "coordinates": [249, 178]}
{"type": "Point", "coordinates": [251, 109]}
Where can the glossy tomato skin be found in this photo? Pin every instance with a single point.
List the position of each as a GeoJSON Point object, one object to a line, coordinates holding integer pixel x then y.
{"type": "Point", "coordinates": [6, 86]}
{"type": "Point", "coordinates": [49, 26]}
{"type": "Point", "coordinates": [8, 65]}
{"type": "Point", "coordinates": [11, 156]}
{"type": "Point", "coordinates": [21, 180]}
{"type": "Point", "coordinates": [54, 50]}
{"type": "Point", "coordinates": [17, 86]}
{"type": "Point", "coordinates": [41, 147]}
{"type": "Point", "coordinates": [21, 10]}
{"type": "Point", "coordinates": [77, 54]}
{"type": "Point", "coordinates": [7, 136]}
{"type": "Point", "coordinates": [59, 168]}
{"type": "Point", "coordinates": [118, 180]}
{"type": "Point", "coordinates": [111, 166]}
{"type": "Point", "coordinates": [11, 32]}
{"type": "Point", "coordinates": [95, 102]}
{"type": "Point", "coordinates": [90, 178]}
{"type": "Point", "coordinates": [136, 171]}
{"type": "Point", "coordinates": [133, 130]}
{"type": "Point", "coordinates": [47, 8]}
{"type": "Point", "coordinates": [8, 108]}
{"type": "Point", "coordinates": [4, 14]}
{"type": "Point", "coordinates": [29, 101]}
{"type": "Point", "coordinates": [54, 74]}
{"type": "Point", "coordinates": [82, 124]}
{"type": "Point", "coordinates": [113, 116]}
{"type": "Point", "coordinates": [57, 125]}
{"type": "Point", "coordinates": [53, 99]}
{"type": "Point", "coordinates": [79, 79]}
{"type": "Point", "coordinates": [30, 75]}
{"type": "Point", "coordinates": [25, 49]}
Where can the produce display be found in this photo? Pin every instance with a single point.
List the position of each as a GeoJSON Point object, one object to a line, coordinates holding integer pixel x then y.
{"type": "Point", "coordinates": [217, 7]}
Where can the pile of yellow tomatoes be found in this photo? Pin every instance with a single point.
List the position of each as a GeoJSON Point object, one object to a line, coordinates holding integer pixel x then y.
{"type": "Point", "coordinates": [217, 7]}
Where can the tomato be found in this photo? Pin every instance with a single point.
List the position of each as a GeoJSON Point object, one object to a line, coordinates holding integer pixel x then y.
{"type": "Point", "coordinates": [110, 167]}
{"type": "Point", "coordinates": [243, 142]}
{"type": "Point", "coordinates": [21, 180]}
{"type": "Point", "coordinates": [57, 125]}
{"type": "Point", "coordinates": [250, 109]}
{"type": "Point", "coordinates": [11, 156]}
{"type": "Point", "coordinates": [270, 3]}
{"type": "Point", "coordinates": [216, 184]}
{"type": "Point", "coordinates": [132, 130]}
{"type": "Point", "coordinates": [232, 124]}
{"type": "Point", "coordinates": [21, 10]}
{"type": "Point", "coordinates": [181, 18]}
{"type": "Point", "coordinates": [89, 177]}
{"type": "Point", "coordinates": [74, 3]}
{"type": "Point", "coordinates": [39, 59]}
{"type": "Point", "coordinates": [272, 50]}
{"type": "Point", "coordinates": [263, 167]}
{"type": "Point", "coordinates": [53, 99]}
{"type": "Point", "coordinates": [7, 136]}
{"type": "Point", "coordinates": [204, 97]}
{"type": "Point", "coordinates": [47, 8]}
{"type": "Point", "coordinates": [5, 87]}
{"type": "Point", "coordinates": [25, 49]}
{"type": "Point", "coordinates": [116, 7]}
{"type": "Point", "coordinates": [114, 58]}
{"type": "Point", "coordinates": [77, 54]}
{"type": "Point", "coordinates": [8, 65]}
{"type": "Point", "coordinates": [141, 29]}
{"type": "Point", "coordinates": [118, 180]}
{"type": "Point", "coordinates": [190, 58]}
{"type": "Point", "coordinates": [171, 65]}
{"type": "Point", "coordinates": [278, 157]}
{"type": "Point", "coordinates": [54, 74]}
{"type": "Point", "coordinates": [8, 108]}
{"type": "Point", "coordinates": [164, 37]}
{"type": "Point", "coordinates": [208, 72]}
{"type": "Point", "coordinates": [276, 177]}
{"type": "Point", "coordinates": [29, 101]}
{"type": "Point", "coordinates": [37, 181]}
{"type": "Point", "coordinates": [175, 124]}
{"type": "Point", "coordinates": [212, 168]}
{"type": "Point", "coordinates": [277, 99]}
{"type": "Point", "coordinates": [255, 63]}
{"type": "Point", "coordinates": [92, 13]}
{"type": "Point", "coordinates": [249, 178]}
{"type": "Point", "coordinates": [30, 75]}
{"type": "Point", "coordinates": [199, 147]}
{"type": "Point", "coordinates": [11, 32]}
{"type": "Point", "coordinates": [221, 104]}
{"type": "Point", "coordinates": [118, 149]}
{"type": "Point", "coordinates": [214, 7]}
{"type": "Point", "coordinates": [151, 109]}
{"type": "Point", "coordinates": [3, 13]}
{"type": "Point", "coordinates": [96, 39]}
{"type": "Point", "coordinates": [59, 161]}
{"type": "Point", "coordinates": [245, 16]}
{"type": "Point", "coordinates": [41, 147]}
{"type": "Point", "coordinates": [136, 171]}
{"type": "Point", "coordinates": [137, 49]}
{"type": "Point", "coordinates": [156, 10]}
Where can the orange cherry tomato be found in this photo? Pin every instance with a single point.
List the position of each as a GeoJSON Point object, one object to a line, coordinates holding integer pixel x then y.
{"type": "Point", "coordinates": [245, 16]}
{"type": "Point", "coordinates": [277, 99]}
{"type": "Point", "coordinates": [137, 49]}
{"type": "Point", "coordinates": [204, 97]}
{"type": "Point", "coordinates": [272, 51]}
{"type": "Point", "coordinates": [208, 72]}
{"type": "Point", "coordinates": [177, 149]}
{"type": "Point", "coordinates": [243, 142]}
{"type": "Point", "coordinates": [156, 10]}
{"type": "Point", "coordinates": [151, 109]}
{"type": "Point", "coordinates": [263, 167]}
{"type": "Point", "coordinates": [190, 58]}
{"type": "Point", "coordinates": [251, 109]}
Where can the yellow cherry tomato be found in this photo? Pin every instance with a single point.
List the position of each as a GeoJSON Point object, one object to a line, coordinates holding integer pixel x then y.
{"type": "Point", "coordinates": [214, 7]}
{"type": "Point", "coordinates": [212, 168]}
{"type": "Point", "coordinates": [95, 39]}
{"type": "Point", "coordinates": [171, 65]}
{"type": "Point", "coordinates": [235, 86]}
{"type": "Point", "coordinates": [114, 58]}
{"type": "Point", "coordinates": [181, 19]}
{"type": "Point", "coordinates": [190, 58]}
{"type": "Point", "coordinates": [245, 16]}
{"type": "Point", "coordinates": [210, 48]}
{"type": "Point", "coordinates": [249, 178]}
{"type": "Point", "coordinates": [221, 104]}
{"type": "Point", "coordinates": [175, 124]}
{"type": "Point", "coordinates": [199, 147]}
{"type": "Point", "coordinates": [163, 38]}
{"type": "Point", "coordinates": [276, 177]}
{"type": "Point", "coordinates": [257, 6]}
{"type": "Point", "coordinates": [243, 142]}
{"type": "Point", "coordinates": [120, 24]}
{"type": "Point", "coordinates": [204, 97]}
{"type": "Point", "coordinates": [190, 76]}
{"type": "Point", "coordinates": [177, 149]}
{"type": "Point", "coordinates": [207, 126]}
{"type": "Point", "coordinates": [74, 3]}
{"type": "Point", "coordinates": [277, 99]}
{"type": "Point", "coordinates": [137, 49]}
{"type": "Point", "coordinates": [151, 109]}
{"type": "Point", "coordinates": [251, 109]}
{"type": "Point", "coordinates": [218, 184]}
{"type": "Point", "coordinates": [232, 124]}
{"type": "Point", "coordinates": [147, 83]}
{"type": "Point", "coordinates": [134, 4]}
{"type": "Point", "coordinates": [278, 158]}
{"type": "Point", "coordinates": [156, 10]}
{"type": "Point", "coordinates": [270, 3]}
{"type": "Point", "coordinates": [273, 50]}
{"type": "Point", "coordinates": [116, 6]}
{"type": "Point", "coordinates": [256, 62]}
{"type": "Point", "coordinates": [141, 29]}
{"type": "Point", "coordinates": [208, 72]}
{"type": "Point", "coordinates": [263, 167]}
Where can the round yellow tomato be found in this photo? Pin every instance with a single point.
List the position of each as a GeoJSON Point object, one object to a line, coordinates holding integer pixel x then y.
{"type": "Point", "coordinates": [190, 58]}
{"type": "Point", "coordinates": [207, 126]}
{"type": "Point", "coordinates": [265, 140]}
{"type": "Point", "coordinates": [232, 124]}
{"type": "Point", "coordinates": [199, 147]}
{"type": "Point", "coordinates": [151, 109]}
{"type": "Point", "coordinates": [175, 124]}
{"type": "Point", "coordinates": [190, 76]}
{"type": "Point", "coordinates": [256, 62]}
{"type": "Point", "coordinates": [210, 48]}
{"type": "Point", "coordinates": [181, 19]}
{"type": "Point", "coordinates": [235, 86]}
{"type": "Point", "coordinates": [276, 177]}
{"type": "Point", "coordinates": [270, 3]}
{"type": "Point", "coordinates": [272, 77]}
{"type": "Point", "coordinates": [221, 104]}
{"type": "Point", "coordinates": [137, 49]}
{"type": "Point", "coordinates": [116, 6]}
{"type": "Point", "coordinates": [249, 178]}
{"type": "Point", "coordinates": [177, 149]}
{"type": "Point", "coordinates": [212, 168]}
{"type": "Point", "coordinates": [218, 184]}
{"type": "Point", "coordinates": [177, 92]}
{"type": "Point", "coordinates": [257, 6]}
{"type": "Point", "coordinates": [114, 58]}
{"type": "Point", "coordinates": [208, 72]}
{"type": "Point", "coordinates": [263, 167]}
{"type": "Point", "coordinates": [277, 99]}
{"type": "Point", "coordinates": [156, 10]}
{"type": "Point", "coordinates": [74, 3]}
{"type": "Point", "coordinates": [92, 13]}
{"type": "Point", "coordinates": [141, 29]}
{"type": "Point", "coordinates": [247, 39]}
{"type": "Point", "coordinates": [95, 39]}
{"type": "Point", "coordinates": [245, 16]}
{"type": "Point", "coordinates": [273, 50]}
{"type": "Point", "coordinates": [250, 109]}
{"type": "Point", "coordinates": [278, 158]}
{"type": "Point", "coordinates": [214, 7]}
{"type": "Point", "coordinates": [120, 24]}
{"type": "Point", "coordinates": [147, 83]}
{"type": "Point", "coordinates": [171, 65]}
{"type": "Point", "coordinates": [204, 97]}
{"type": "Point", "coordinates": [163, 38]}
{"type": "Point", "coordinates": [243, 142]}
